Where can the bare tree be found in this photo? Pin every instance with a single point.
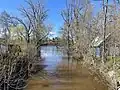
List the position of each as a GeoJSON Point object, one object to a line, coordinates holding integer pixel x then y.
{"type": "Point", "coordinates": [34, 15]}
{"type": "Point", "coordinates": [6, 22]}
{"type": "Point", "coordinates": [67, 17]}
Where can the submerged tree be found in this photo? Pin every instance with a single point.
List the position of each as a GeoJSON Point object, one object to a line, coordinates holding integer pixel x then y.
{"type": "Point", "coordinates": [77, 26]}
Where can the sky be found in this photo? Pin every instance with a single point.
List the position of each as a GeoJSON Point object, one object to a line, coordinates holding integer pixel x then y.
{"type": "Point", "coordinates": [54, 10]}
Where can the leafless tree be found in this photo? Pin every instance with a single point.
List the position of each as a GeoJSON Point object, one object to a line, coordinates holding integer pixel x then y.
{"type": "Point", "coordinates": [33, 23]}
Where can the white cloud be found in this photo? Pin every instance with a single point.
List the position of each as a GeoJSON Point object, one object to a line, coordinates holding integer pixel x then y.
{"type": "Point", "coordinates": [52, 33]}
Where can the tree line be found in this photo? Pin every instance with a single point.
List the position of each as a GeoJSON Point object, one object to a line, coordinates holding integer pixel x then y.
{"type": "Point", "coordinates": [87, 34]}
{"type": "Point", "coordinates": [21, 37]}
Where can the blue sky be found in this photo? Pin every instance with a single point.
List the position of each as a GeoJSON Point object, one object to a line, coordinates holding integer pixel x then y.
{"type": "Point", "coordinates": [54, 7]}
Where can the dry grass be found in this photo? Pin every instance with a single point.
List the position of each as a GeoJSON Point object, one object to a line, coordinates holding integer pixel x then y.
{"type": "Point", "coordinates": [102, 71]}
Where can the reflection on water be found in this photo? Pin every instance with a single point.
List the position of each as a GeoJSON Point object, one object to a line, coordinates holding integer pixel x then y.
{"type": "Point", "coordinates": [64, 78]}
{"type": "Point", "coordinates": [52, 57]}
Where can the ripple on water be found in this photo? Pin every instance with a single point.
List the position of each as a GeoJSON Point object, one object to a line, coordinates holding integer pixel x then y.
{"type": "Point", "coordinates": [60, 77]}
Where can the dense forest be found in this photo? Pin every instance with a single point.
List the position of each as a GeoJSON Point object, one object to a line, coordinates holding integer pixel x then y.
{"type": "Point", "coordinates": [93, 40]}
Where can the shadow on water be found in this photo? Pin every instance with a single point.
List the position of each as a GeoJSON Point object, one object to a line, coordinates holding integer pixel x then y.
{"type": "Point", "coordinates": [57, 75]}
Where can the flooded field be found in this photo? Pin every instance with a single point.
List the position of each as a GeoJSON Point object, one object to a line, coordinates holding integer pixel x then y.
{"type": "Point", "coordinates": [59, 76]}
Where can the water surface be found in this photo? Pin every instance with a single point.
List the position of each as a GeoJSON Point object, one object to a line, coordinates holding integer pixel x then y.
{"type": "Point", "coordinates": [52, 56]}
{"type": "Point", "coordinates": [64, 76]}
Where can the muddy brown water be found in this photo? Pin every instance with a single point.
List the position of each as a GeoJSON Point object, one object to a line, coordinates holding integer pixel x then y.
{"type": "Point", "coordinates": [59, 76]}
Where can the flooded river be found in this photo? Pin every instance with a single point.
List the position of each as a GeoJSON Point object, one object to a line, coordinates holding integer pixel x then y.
{"type": "Point", "coordinates": [58, 75]}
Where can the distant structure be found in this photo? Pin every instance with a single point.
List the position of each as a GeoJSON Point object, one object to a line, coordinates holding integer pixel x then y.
{"type": "Point", "coordinates": [97, 46]}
